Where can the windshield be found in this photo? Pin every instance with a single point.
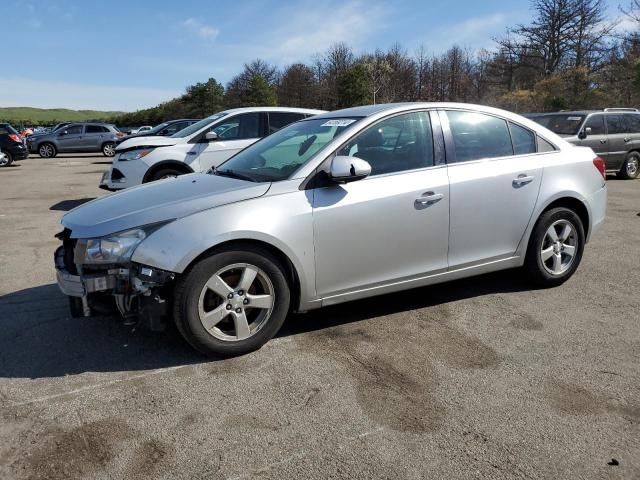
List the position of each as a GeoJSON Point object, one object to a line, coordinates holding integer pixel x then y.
{"type": "Point", "coordinates": [157, 128]}
{"type": "Point", "coordinates": [185, 132]}
{"type": "Point", "coordinates": [280, 154]}
{"type": "Point", "coordinates": [561, 124]}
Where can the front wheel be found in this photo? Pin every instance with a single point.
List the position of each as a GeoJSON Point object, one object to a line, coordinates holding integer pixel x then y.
{"type": "Point", "coordinates": [555, 247]}
{"type": "Point", "coordinates": [631, 166]}
{"type": "Point", "coordinates": [109, 149]}
{"type": "Point", "coordinates": [232, 302]}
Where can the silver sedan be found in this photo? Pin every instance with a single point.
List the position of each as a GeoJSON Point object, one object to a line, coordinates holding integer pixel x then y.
{"type": "Point", "coordinates": [337, 207]}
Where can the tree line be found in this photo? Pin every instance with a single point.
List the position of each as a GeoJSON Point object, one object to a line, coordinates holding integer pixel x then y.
{"type": "Point", "coordinates": [570, 56]}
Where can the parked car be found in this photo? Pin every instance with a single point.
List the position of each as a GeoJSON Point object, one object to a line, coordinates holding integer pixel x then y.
{"type": "Point", "coordinates": [144, 128]}
{"type": "Point", "coordinates": [164, 129]}
{"type": "Point", "coordinates": [197, 148]}
{"type": "Point", "coordinates": [613, 133]}
{"type": "Point", "coordinates": [76, 137]}
{"type": "Point", "coordinates": [336, 207]}
{"type": "Point", "coordinates": [12, 145]}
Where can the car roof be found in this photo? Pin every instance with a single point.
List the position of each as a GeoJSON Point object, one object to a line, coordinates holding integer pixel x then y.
{"type": "Point", "coordinates": [269, 109]}
{"type": "Point", "coordinates": [382, 108]}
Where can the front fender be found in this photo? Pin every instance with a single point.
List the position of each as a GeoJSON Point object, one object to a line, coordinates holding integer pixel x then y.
{"type": "Point", "coordinates": [283, 221]}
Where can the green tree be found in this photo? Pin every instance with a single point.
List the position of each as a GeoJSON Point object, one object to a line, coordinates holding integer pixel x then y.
{"type": "Point", "coordinates": [260, 93]}
{"type": "Point", "coordinates": [353, 87]}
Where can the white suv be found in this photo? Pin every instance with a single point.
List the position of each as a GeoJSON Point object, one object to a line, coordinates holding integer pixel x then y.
{"type": "Point", "coordinates": [197, 148]}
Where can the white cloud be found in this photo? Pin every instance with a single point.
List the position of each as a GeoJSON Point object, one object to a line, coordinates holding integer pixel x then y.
{"type": "Point", "coordinates": [20, 92]}
{"type": "Point", "coordinates": [476, 32]}
{"type": "Point", "coordinates": [200, 29]}
{"type": "Point", "coordinates": [314, 29]}
{"type": "Point", "coordinates": [626, 24]}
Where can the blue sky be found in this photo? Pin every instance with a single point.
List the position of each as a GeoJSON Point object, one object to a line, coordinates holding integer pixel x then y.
{"type": "Point", "coordinates": [125, 55]}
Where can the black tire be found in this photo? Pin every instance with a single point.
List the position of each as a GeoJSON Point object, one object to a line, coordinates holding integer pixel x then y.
{"type": "Point", "coordinates": [9, 159]}
{"type": "Point", "coordinates": [187, 299]}
{"type": "Point", "coordinates": [109, 149]}
{"type": "Point", "coordinates": [631, 166]}
{"type": "Point", "coordinates": [163, 173]}
{"type": "Point", "coordinates": [534, 265]}
{"type": "Point", "coordinates": [47, 150]}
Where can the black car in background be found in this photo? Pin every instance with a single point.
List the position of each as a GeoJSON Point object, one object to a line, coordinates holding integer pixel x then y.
{"type": "Point", "coordinates": [12, 146]}
{"type": "Point", "coordinates": [165, 129]}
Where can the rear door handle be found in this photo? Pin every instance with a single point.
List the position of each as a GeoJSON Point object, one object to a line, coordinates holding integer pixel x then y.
{"type": "Point", "coordinates": [429, 198]}
{"type": "Point", "coordinates": [522, 180]}
{"type": "Point", "coordinates": [603, 141]}
{"type": "Point", "coordinates": [626, 139]}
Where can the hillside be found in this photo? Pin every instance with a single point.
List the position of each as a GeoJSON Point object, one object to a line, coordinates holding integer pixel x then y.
{"type": "Point", "coordinates": [37, 116]}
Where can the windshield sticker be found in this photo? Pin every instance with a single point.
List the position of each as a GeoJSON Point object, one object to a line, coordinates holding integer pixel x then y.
{"type": "Point", "coordinates": [338, 122]}
{"type": "Point", "coordinates": [574, 119]}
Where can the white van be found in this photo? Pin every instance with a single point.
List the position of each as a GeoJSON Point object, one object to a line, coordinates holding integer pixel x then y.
{"type": "Point", "coordinates": [197, 148]}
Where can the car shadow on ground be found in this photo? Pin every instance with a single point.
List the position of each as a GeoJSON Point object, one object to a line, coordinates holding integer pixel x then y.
{"type": "Point", "coordinates": [39, 338]}
{"type": "Point", "coordinates": [66, 205]}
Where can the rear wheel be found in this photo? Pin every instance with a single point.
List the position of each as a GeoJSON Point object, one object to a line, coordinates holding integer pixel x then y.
{"type": "Point", "coordinates": [109, 149]}
{"type": "Point", "coordinates": [47, 150]}
{"type": "Point", "coordinates": [555, 247]}
{"type": "Point", "coordinates": [164, 173]}
{"type": "Point", "coordinates": [232, 302]}
{"type": "Point", "coordinates": [6, 159]}
{"type": "Point", "coordinates": [631, 166]}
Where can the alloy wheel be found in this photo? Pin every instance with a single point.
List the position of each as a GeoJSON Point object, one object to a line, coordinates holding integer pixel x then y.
{"type": "Point", "coordinates": [236, 302]}
{"type": "Point", "coordinates": [46, 151]}
{"type": "Point", "coordinates": [633, 164]}
{"type": "Point", "coordinates": [109, 150]}
{"type": "Point", "coordinates": [559, 247]}
{"type": "Point", "coordinates": [4, 160]}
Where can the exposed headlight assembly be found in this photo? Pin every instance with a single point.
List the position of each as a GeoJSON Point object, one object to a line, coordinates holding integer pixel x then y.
{"type": "Point", "coordinates": [118, 247]}
{"type": "Point", "coordinates": [134, 154]}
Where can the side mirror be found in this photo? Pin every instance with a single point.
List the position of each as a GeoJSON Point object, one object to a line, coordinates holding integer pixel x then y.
{"type": "Point", "coordinates": [210, 136]}
{"type": "Point", "coordinates": [584, 133]}
{"type": "Point", "coordinates": [348, 169]}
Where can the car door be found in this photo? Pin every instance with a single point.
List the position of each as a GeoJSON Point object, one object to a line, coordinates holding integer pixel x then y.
{"type": "Point", "coordinates": [494, 184]}
{"type": "Point", "coordinates": [633, 128]}
{"type": "Point", "coordinates": [234, 134]}
{"type": "Point", "coordinates": [393, 225]}
{"type": "Point", "coordinates": [618, 139]}
{"type": "Point", "coordinates": [594, 135]}
{"type": "Point", "coordinates": [93, 138]}
{"type": "Point", "coordinates": [70, 138]}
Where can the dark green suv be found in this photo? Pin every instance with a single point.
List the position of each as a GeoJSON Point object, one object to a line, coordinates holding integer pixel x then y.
{"type": "Point", "coordinates": [612, 133]}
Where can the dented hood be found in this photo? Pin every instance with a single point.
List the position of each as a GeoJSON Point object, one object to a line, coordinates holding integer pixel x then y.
{"type": "Point", "coordinates": [158, 202]}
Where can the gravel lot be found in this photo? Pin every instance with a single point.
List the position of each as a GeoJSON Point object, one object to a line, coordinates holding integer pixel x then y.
{"type": "Point", "coordinates": [481, 378]}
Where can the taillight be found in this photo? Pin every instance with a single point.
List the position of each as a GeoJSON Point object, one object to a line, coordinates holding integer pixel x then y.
{"type": "Point", "coordinates": [16, 138]}
{"type": "Point", "coordinates": [599, 164]}
{"type": "Point", "coordinates": [119, 135]}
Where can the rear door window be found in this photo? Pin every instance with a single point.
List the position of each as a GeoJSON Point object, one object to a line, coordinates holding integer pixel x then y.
{"type": "Point", "coordinates": [633, 122]}
{"type": "Point", "coordinates": [73, 130]}
{"type": "Point", "coordinates": [277, 120]}
{"type": "Point", "coordinates": [524, 140]}
{"type": "Point", "coordinates": [477, 136]}
{"type": "Point", "coordinates": [96, 129]}
{"type": "Point", "coordinates": [616, 124]}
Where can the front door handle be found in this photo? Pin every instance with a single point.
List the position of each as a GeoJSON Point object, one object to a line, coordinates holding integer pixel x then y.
{"type": "Point", "coordinates": [603, 141]}
{"type": "Point", "coordinates": [522, 180]}
{"type": "Point", "coordinates": [429, 198]}
{"type": "Point", "coordinates": [626, 139]}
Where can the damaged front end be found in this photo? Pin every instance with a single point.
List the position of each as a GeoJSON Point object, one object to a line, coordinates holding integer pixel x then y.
{"type": "Point", "coordinates": [140, 293]}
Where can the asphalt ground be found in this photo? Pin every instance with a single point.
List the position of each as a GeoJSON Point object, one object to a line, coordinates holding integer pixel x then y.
{"type": "Point", "coordinates": [479, 378]}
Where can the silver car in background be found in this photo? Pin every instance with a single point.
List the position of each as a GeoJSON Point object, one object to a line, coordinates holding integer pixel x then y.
{"type": "Point", "coordinates": [76, 138]}
{"type": "Point", "coordinates": [337, 207]}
